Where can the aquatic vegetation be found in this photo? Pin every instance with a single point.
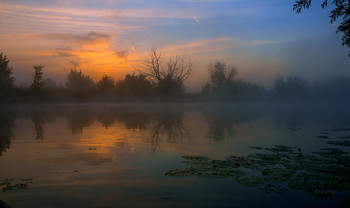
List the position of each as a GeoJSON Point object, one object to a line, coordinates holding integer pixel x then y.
{"type": "Point", "coordinates": [320, 173]}
{"type": "Point", "coordinates": [8, 184]}
{"type": "Point", "coordinates": [180, 172]}
{"type": "Point", "coordinates": [343, 137]}
{"type": "Point", "coordinates": [339, 129]}
{"type": "Point", "coordinates": [277, 174]}
{"type": "Point", "coordinates": [250, 181]}
{"type": "Point", "coordinates": [342, 143]}
{"type": "Point", "coordinates": [274, 188]}
{"type": "Point", "coordinates": [323, 137]}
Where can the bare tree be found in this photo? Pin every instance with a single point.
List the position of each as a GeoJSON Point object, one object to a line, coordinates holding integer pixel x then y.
{"type": "Point", "coordinates": [169, 77]}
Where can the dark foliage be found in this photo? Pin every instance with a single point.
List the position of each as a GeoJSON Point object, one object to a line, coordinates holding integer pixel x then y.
{"type": "Point", "coordinates": [106, 84]}
{"type": "Point", "coordinates": [223, 85]}
{"type": "Point", "coordinates": [290, 88]}
{"type": "Point", "coordinates": [37, 79]}
{"type": "Point", "coordinates": [6, 79]}
{"type": "Point", "coordinates": [80, 85]}
{"type": "Point", "coordinates": [135, 86]}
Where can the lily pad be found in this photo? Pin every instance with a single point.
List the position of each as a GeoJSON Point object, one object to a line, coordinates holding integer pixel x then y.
{"type": "Point", "coordinates": [341, 143]}
{"type": "Point", "coordinates": [195, 158]}
{"type": "Point", "coordinates": [180, 172]}
{"type": "Point", "coordinates": [277, 174]}
{"type": "Point", "coordinates": [339, 129]}
{"type": "Point", "coordinates": [343, 137]}
{"type": "Point", "coordinates": [6, 182]}
{"type": "Point", "coordinates": [273, 188]}
{"type": "Point", "coordinates": [297, 182]}
{"type": "Point", "coordinates": [256, 148]}
{"type": "Point", "coordinates": [16, 187]}
{"type": "Point", "coordinates": [250, 181]}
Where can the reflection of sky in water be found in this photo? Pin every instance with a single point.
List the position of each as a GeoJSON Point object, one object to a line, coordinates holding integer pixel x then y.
{"type": "Point", "coordinates": [117, 155]}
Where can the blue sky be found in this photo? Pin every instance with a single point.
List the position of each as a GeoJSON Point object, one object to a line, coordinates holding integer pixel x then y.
{"type": "Point", "coordinates": [262, 39]}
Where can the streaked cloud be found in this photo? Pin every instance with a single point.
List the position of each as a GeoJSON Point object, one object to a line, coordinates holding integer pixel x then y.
{"type": "Point", "coordinates": [91, 40]}
{"type": "Point", "coordinates": [201, 46]}
{"type": "Point", "coordinates": [114, 36]}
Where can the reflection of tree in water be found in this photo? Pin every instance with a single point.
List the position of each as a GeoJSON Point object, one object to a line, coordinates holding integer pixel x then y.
{"type": "Point", "coordinates": [157, 122]}
{"type": "Point", "coordinates": [6, 134]}
{"type": "Point", "coordinates": [78, 119]}
{"type": "Point", "coordinates": [38, 124]}
{"type": "Point", "coordinates": [291, 120]}
{"type": "Point", "coordinates": [106, 118]}
{"type": "Point", "coordinates": [168, 123]}
{"type": "Point", "coordinates": [222, 121]}
{"type": "Point", "coordinates": [135, 118]}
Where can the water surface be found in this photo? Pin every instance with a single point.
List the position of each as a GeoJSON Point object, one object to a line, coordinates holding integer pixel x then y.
{"type": "Point", "coordinates": [117, 155]}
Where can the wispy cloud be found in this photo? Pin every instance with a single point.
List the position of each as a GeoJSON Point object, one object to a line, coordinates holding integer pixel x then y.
{"type": "Point", "coordinates": [18, 16]}
{"type": "Point", "coordinates": [202, 46]}
{"type": "Point", "coordinates": [91, 40]}
{"type": "Point", "coordinates": [195, 19]}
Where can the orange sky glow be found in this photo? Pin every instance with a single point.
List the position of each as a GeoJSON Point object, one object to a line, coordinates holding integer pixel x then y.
{"type": "Point", "coordinates": [114, 37]}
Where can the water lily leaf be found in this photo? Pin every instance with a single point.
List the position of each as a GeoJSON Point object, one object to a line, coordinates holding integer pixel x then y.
{"type": "Point", "coordinates": [250, 181]}
{"type": "Point", "coordinates": [256, 148]}
{"type": "Point", "coordinates": [339, 129]}
{"type": "Point", "coordinates": [240, 161]}
{"type": "Point", "coordinates": [297, 182]}
{"type": "Point", "coordinates": [341, 143]}
{"type": "Point", "coordinates": [277, 174]}
{"type": "Point", "coordinates": [180, 172]}
{"type": "Point", "coordinates": [195, 158]}
{"type": "Point", "coordinates": [323, 137]}
{"type": "Point", "coordinates": [273, 188]}
{"type": "Point", "coordinates": [16, 187]}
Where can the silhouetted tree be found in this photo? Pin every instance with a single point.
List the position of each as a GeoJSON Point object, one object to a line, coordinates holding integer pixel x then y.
{"type": "Point", "coordinates": [293, 87]}
{"type": "Point", "coordinates": [341, 10]}
{"type": "Point", "coordinates": [37, 78]}
{"type": "Point", "coordinates": [79, 84]}
{"type": "Point", "coordinates": [106, 84]}
{"type": "Point", "coordinates": [169, 78]}
{"type": "Point", "coordinates": [49, 84]}
{"type": "Point", "coordinates": [6, 80]}
{"type": "Point", "coordinates": [135, 86]}
{"type": "Point", "coordinates": [223, 85]}
{"type": "Point", "coordinates": [240, 90]}
{"type": "Point", "coordinates": [220, 75]}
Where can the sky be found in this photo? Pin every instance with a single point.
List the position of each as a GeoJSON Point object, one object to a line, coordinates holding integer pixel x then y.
{"type": "Point", "coordinates": [262, 39]}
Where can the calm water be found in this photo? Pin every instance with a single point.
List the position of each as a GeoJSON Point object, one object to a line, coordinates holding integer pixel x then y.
{"type": "Point", "coordinates": [117, 155]}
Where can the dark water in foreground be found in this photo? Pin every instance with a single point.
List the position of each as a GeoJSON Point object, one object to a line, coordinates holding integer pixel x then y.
{"type": "Point", "coordinates": [117, 155]}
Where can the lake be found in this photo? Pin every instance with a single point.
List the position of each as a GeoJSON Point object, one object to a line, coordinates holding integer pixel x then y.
{"type": "Point", "coordinates": [149, 155]}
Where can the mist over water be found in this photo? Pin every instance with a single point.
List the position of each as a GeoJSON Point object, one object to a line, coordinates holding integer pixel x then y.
{"type": "Point", "coordinates": [117, 155]}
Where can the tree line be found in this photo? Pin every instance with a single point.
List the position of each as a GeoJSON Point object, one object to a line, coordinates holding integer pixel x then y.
{"type": "Point", "coordinates": [163, 80]}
